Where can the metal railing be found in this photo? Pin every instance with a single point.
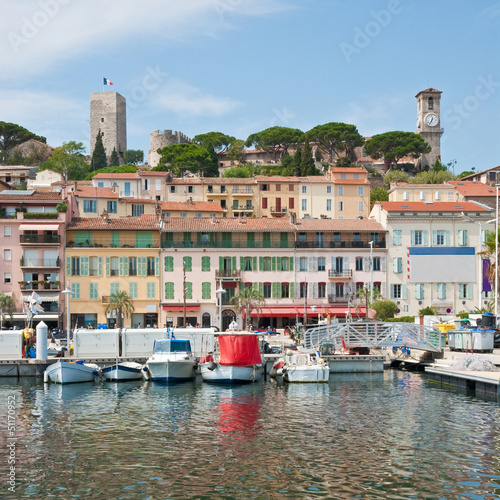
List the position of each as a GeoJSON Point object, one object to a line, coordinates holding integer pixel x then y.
{"type": "Point", "coordinates": [333, 273]}
{"type": "Point", "coordinates": [222, 273]}
{"type": "Point", "coordinates": [242, 191]}
{"type": "Point", "coordinates": [337, 298]}
{"type": "Point", "coordinates": [40, 262]}
{"type": "Point", "coordinates": [39, 285]}
{"type": "Point", "coordinates": [40, 238]}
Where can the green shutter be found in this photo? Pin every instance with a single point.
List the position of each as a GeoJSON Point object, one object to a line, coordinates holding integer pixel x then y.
{"type": "Point", "coordinates": [144, 266]}
{"type": "Point", "coordinates": [169, 240]}
{"type": "Point", "coordinates": [169, 290]}
{"type": "Point", "coordinates": [261, 288]}
{"type": "Point", "coordinates": [189, 290]}
{"type": "Point", "coordinates": [75, 288]}
{"type": "Point", "coordinates": [157, 266]}
{"type": "Point", "coordinates": [68, 266]}
{"type": "Point", "coordinates": [115, 239]}
{"type": "Point", "coordinates": [108, 266]}
{"type": "Point", "coordinates": [151, 290]}
{"type": "Point", "coordinates": [233, 265]}
{"type": "Point", "coordinates": [198, 239]}
{"type": "Point", "coordinates": [251, 240]}
{"type": "Point", "coordinates": [221, 263]}
{"type": "Point", "coordinates": [227, 241]}
{"type": "Point", "coordinates": [94, 291]}
{"type": "Point", "coordinates": [242, 263]}
{"type": "Point", "coordinates": [120, 260]}
{"type": "Point", "coordinates": [261, 263]}
{"type": "Point", "coordinates": [292, 289]}
{"type": "Point", "coordinates": [284, 240]}
{"type": "Point", "coordinates": [276, 290]}
{"type": "Point", "coordinates": [266, 240]}
{"type": "Point", "coordinates": [125, 266]}
{"type": "Point", "coordinates": [132, 287]}
{"type": "Point", "coordinates": [273, 263]}
{"type": "Point", "coordinates": [83, 239]}
{"type": "Point", "coordinates": [187, 240]}
{"type": "Point", "coordinates": [291, 263]}
{"type": "Point", "coordinates": [206, 290]}
{"type": "Point", "coordinates": [205, 263]}
{"type": "Point", "coordinates": [84, 266]}
{"type": "Point", "coordinates": [188, 263]}
{"type": "Point", "coordinates": [99, 260]}
{"type": "Point", "coordinates": [144, 239]}
{"type": "Point", "coordinates": [254, 264]}
{"type": "Point", "coordinates": [169, 263]}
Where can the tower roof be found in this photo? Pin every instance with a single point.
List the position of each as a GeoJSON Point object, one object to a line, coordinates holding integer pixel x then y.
{"type": "Point", "coordinates": [430, 90]}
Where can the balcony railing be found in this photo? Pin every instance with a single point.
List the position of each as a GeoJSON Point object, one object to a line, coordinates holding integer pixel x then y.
{"type": "Point", "coordinates": [333, 273]}
{"type": "Point", "coordinates": [233, 273]}
{"type": "Point", "coordinates": [218, 192]}
{"type": "Point", "coordinates": [275, 210]}
{"type": "Point", "coordinates": [248, 208]}
{"type": "Point", "coordinates": [105, 299]}
{"type": "Point", "coordinates": [107, 243]}
{"type": "Point", "coordinates": [227, 301]}
{"type": "Point", "coordinates": [39, 285]}
{"type": "Point", "coordinates": [40, 262]}
{"type": "Point", "coordinates": [332, 299]}
{"type": "Point", "coordinates": [220, 244]}
{"type": "Point", "coordinates": [338, 244]}
{"type": "Point", "coordinates": [248, 191]}
{"type": "Point", "coordinates": [39, 239]}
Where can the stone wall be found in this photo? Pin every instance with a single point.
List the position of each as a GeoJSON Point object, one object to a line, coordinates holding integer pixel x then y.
{"type": "Point", "coordinates": [162, 139]}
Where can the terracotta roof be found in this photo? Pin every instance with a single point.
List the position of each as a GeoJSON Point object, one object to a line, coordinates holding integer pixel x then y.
{"type": "Point", "coordinates": [440, 206]}
{"type": "Point", "coordinates": [36, 196]}
{"type": "Point", "coordinates": [345, 170]}
{"type": "Point", "coordinates": [131, 175]}
{"type": "Point", "coordinates": [229, 180]}
{"type": "Point", "coordinates": [352, 225]}
{"type": "Point", "coordinates": [473, 188]}
{"type": "Point", "coordinates": [195, 206]}
{"type": "Point", "coordinates": [154, 173]}
{"type": "Point", "coordinates": [417, 186]}
{"type": "Point", "coordinates": [188, 181]}
{"type": "Point", "coordinates": [145, 222]}
{"type": "Point", "coordinates": [276, 178]}
{"type": "Point", "coordinates": [95, 192]}
{"type": "Point", "coordinates": [351, 181]}
{"type": "Point", "coordinates": [315, 179]}
{"type": "Point", "coordinates": [475, 174]}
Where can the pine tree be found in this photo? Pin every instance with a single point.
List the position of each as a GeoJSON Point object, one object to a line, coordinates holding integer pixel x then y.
{"type": "Point", "coordinates": [114, 161]}
{"type": "Point", "coordinates": [297, 159]}
{"type": "Point", "coordinates": [307, 166]}
{"type": "Point", "coordinates": [99, 155]}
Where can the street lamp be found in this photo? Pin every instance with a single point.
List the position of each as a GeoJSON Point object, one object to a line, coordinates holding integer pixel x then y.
{"type": "Point", "coordinates": [480, 224]}
{"type": "Point", "coordinates": [220, 291]}
{"type": "Point", "coordinates": [67, 291]}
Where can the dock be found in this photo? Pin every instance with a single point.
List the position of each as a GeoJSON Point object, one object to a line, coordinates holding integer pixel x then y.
{"type": "Point", "coordinates": [486, 382]}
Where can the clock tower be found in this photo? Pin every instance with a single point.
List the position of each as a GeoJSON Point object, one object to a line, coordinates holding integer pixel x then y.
{"type": "Point", "coordinates": [429, 125]}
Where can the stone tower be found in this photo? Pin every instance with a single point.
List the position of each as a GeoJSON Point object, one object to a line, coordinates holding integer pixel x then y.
{"type": "Point", "coordinates": [108, 114]}
{"type": "Point", "coordinates": [429, 125]}
{"type": "Point", "coordinates": [162, 139]}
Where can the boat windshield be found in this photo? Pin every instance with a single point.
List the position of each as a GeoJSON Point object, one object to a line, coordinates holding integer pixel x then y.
{"type": "Point", "coordinates": [172, 346]}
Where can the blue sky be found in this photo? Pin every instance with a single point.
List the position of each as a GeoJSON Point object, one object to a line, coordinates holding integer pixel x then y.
{"type": "Point", "coordinates": [240, 66]}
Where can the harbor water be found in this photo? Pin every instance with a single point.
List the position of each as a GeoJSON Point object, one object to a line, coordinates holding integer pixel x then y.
{"type": "Point", "coordinates": [391, 435]}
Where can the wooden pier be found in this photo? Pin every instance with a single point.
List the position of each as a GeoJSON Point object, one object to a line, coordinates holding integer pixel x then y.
{"type": "Point", "coordinates": [486, 382]}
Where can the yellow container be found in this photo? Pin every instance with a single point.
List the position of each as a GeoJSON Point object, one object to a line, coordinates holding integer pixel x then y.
{"type": "Point", "coordinates": [444, 327]}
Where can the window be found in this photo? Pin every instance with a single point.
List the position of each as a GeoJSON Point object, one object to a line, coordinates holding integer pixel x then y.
{"type": "Point", "coordinates": [75, 288]}
{"type": "Point", "coordinates": [439, 238]}
{"type": "Point", "coordinates": [397, 264]}
{"type": "Point", "coordinates": [303, 264]}
{"type": "Point", "coordinates": [132, 290]}
{"type": "Point", "coordinates": [396, 237]}
{"type": "Point", "coordinates": [450, 195]}
{"type": "Point", "coordinates": [93, 291]}
{"type": "Point", "coordinates": [303, 290]}
{"type": "Point", "coordinates": [132, 266]}
{"type": "Point", "coordinates": [302, 237]}
{"type": "Point", "coordinates": [190, 189]}
{"type": "Point", "coordinates": [361, 206]}
{"type": "Point", "coordinates": [320, 239]}
{"type": "Point", "coordinates": [422, 196]}
{"type": "Point", "coordinates": [321, 263]}
{"type": "Point", "coordinates": [7, 231]}
{"type": "Point", "coordinates": [278, 187]}
{"type": "Point", "coordinates": [376, 263]}
{"type": "Point", "coordinates": [264, 202]}
{"type": "Point", "coordinates": [328, 189]}
{"type": "Point", "coordinates": [94, 266]}
{"type": "Point", "coordinates": [340, 190]}
{"type": "Point", "coordinates": [304, 205]}
{"type": "Point", "coordinates": [137, 210]}
{"type": "Point", "coordinates": [173, 189]}
{"type": "Point", "coordinates": [291, 203]}
{"type": "Point", "coordinates": [169, 263]}
{"type": "Point", "coordinates": [111, 207]}
{"type": "Point", "coordinates": [356, 237]}
{"type": "Point", "coordinates": [437, 195]}
{"type": "Point", "coordinates": [151, 266]}
{"type": "Point", "coordinates": [406, 195]}
{"type": "Point", "coordinates": [264, 187]}
{"type": "Point", "coordinates": [6, 277]}
{"type": "Point", "coordinates": [114, 266]}
{"type": "Point", "coordinates": [430, 103]}
{"type": "Point", "coordinates": [169, 290]}
{"type": "Point", "coordinates": [157, 184]}
{"type": "Point", "coordinates": [321, 290]}
{"type": "Point", "coordinates": [340, 206]}
{"type": "Point", "coordinates": [206, 290]}
{"type": "Point", "coordinates": [339, 289]}
{"type": "Point", "coordinates": [183, 214]}
{"type": "Point", "coordinates": [266, 266]}
{"type": "Point", "coordinates": [285, 290]}
{"type": "Point", "coordinates": [359, 263]}
{"type": "Point", "coordinates": [356, 177]}
{"type": "Point", "coordinates": [290, 188]}
{"type": "Point", "coordinates": [285, 264]}
{"type": "Point", "coordinates": [396, 291]}
{"type": "Point", "coordinates": [100, 184]}
{"type": "Point", "coordinates": [210, 189]}
{"type": "Point", "coordinates": [417, 238]}
{"type": "Point", "coordinates": [336, 237]}
{"type": "Point", "coordinates": [419, 291]}
{"type": "Point", "coordinates": [247, 264]}
{"type": "Point", "coordinates": [205, 263]}
{"type": "Point", "coordinates": [90, 206]}
{"type": "Point", "coordinates": [75, 266]}
{"type": "Point", "coordinates": [441, 289]}
{"type": "Point", "coordinates": [360, 190]}
{"type": "Point", "coordinates": [462, 237]}
{"type": "Point", "coordinates": [304, 189]}
{"type": "Point", "coordinates": [328, 205]}
{"type": "Point", "coordinates": [465, 290]}
{"type": "Point", "coordinates": [151, 290]}
{"type": "Point", "coordinates": [343, 176]}
{"type": "Point", "coordinates": [7, 255]}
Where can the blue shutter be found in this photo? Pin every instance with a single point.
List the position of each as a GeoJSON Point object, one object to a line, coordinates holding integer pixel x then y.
{"type": "Point", "coordinates": [425, 239]}
{"type": "Point", "coordinates": [447, 238]}
{"type": "Point", "coordinates": [403, 291]}
{"type": "Point", "coordinates": [412, 233]}
{"type": "Point", "coordinates": [434, 238]}
{"type": "Point", "coordinates": [469, 290]}
{"type": "Point", "coordinates": [392, 291]}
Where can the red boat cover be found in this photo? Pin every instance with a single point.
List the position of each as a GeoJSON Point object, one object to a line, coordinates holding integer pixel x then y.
{"type": "Point", "coordinates": [239, 350]}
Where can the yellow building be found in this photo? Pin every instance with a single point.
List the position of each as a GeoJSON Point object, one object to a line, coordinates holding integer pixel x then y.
{"type": "Point", "coordinates": [277, 196]}
{"type": "Point", "coordinates": [106, 255]}
{"type": "Point", "coordinates": [351, 192]}
{"type": "Point", "coordinates": [235, 196]}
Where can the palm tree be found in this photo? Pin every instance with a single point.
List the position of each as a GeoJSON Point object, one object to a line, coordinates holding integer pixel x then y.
{"type": "Point", "coordinates": [247, 299]}
{"type": "Point", "coordinates": [121, 304]}
{"type": "Point", "coordinates": [489, 252]}
{"type": "Point", "coordinates": [7, 305]}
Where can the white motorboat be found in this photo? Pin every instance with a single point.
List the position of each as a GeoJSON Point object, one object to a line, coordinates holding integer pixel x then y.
{"type": "Point", "coordinates": [303, 367]}
{"type": "Point", "coordinates": [70, 372]}
{"type": "Point", "coordinates": [126, 370]}
{"type": "Point", "coordinates": [172, 361]}
{"type": "Point", "coordinates": [238, 361]}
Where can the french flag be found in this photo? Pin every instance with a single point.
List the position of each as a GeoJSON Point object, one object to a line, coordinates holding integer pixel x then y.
{"type": "Point", "coordinates": [107, 82]}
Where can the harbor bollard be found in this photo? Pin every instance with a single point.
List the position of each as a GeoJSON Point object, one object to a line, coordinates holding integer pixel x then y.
{"type": "Point", "coordinates": [41, 341]}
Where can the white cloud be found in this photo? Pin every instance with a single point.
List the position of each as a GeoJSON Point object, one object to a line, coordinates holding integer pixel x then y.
{"type": "Point", "coordinates": [37, 34]}
{"type": "Point", "coordinates": [186, 100]}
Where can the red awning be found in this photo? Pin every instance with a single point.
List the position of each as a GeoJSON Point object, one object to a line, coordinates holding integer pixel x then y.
{"type": "Point", "coordinates": [181, 308]}
{"type": "Point", "coordinates": [292, 311]}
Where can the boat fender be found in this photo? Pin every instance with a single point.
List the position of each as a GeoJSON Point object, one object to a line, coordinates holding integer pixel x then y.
{"type": "Point", "coordinates": [211, 366]}
{"type": "Point", "coordinates": [279, 371]}
{"type": "Point", "coordinates": [145, 372]}
{"type": "Point", "coordinates": [195, 367]}
{"type": "Point", "coordinates": [283, 371]}
{"type": "Point", "coordinates": [45, 377]}
{"type": "Point", "coordinates": [79, 362]}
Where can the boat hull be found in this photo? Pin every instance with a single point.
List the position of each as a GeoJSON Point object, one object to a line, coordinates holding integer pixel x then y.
{"type": "Point", "coordinates": [231, 374]}
{"type": "Point", "coordinates": [171, 371]}
{"type": "Point", "coordinates": [306, 374]}
{"type": "Point", "coordinates": [64, 372]}
{"type": "Point", "coordinates": [123, 371]}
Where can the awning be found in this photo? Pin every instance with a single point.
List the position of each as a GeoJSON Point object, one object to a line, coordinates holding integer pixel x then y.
{"type": "Point", "coordinates": [181, 308]}
{"type": "Point", "coordinates": [38, 317]}
{"type": "Point", "coordinates": [38, 227]}
{"type": "Point", "coordinates": [292, 311]}
{"type": "Point", "coordinates": [45, 297]}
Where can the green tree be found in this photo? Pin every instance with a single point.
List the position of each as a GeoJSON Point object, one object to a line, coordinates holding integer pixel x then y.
{"type": "Point", "coordinates": [344, 162]}
{"type": "Point", "coordinates": [394, 146]}
{"type": "Point", "coordinates": [395, 176]}
{"type": "Point", "coordinates": [307, 166]}
{"type": "Point", "coordinates": [12, 135]}
{"type": "Point", "coordinates": [428, 311]}
{"type": "Point", "coordinates": [7, 305]}
{"type": "Point", "coordinates": [335, 138]}
{"type": "Point", "coordinates": [133, 156]}
{"type": "Point", "coordinates": [287, 165]}
{"type": "Point", "coordinates": [114, 161]}
{"type": "Point", "coordinates": [384, 309]}
{"type": "Point", "coordinates": [121, 304]}
{"type": "Point", "coordinates": [244, 171]}
{"type": "Point", "coordinates": [432, 177]}
{"type": "Point", "coordinates": [297, 161]}
{"type": "Point", "coordinates": [99, 155]}
{"type": "Point", "coordinates": [186, 157]}
{"type": "Point", "coordinates": [70, 159]}
{"type": "Point", "coordinates": [247, 299]}
{"type": "Point", "coordinates": [123, 169]}
{"type": "Point", "coordinates": [216, 140]}
{"type": "Point", "coordinates": [275, 140]}
{"type": "Point", "coordinates": [378, 194]}
{"type": "Point", "coordinates": [236, 152]}
{"type": "Point", "coordinates": [465, 174]}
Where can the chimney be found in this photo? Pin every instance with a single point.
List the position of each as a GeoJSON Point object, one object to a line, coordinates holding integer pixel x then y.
{"type": "Point", "coordinates": [293, 218]}
{"type": "Point", "coordinates": [105, 216]}
{"type": "Point", "coordinates": [189, 201]}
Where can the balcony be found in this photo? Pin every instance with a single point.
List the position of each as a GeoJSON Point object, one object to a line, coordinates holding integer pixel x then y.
{"type": "Point", "coordinates": [335, 299]}
{"type": "Point", "coordinates": [339, 244]}
{"type": "Point", "coordinates": [243, 191]}
{"type": "Point", "coordinates": [39, 285]}
{"type": "Point", "coordinates": [105, 299]}
{"type": "Point", "coordinates": [227, 301]}
{"type": "Point", "coordinates": [53, 263]}
{"type": "Point", "coordinates": [334, 274]}
{"type": "Point", "coordinates": [218, 192]}
{"type": "Point", "coordinates": [278, 212]}
{"type": "Point", "coordinates": [248, 208]}
{"type": "Point", "coordinates": [232, 273]}
{"type": "Point", "coordinates": [40, 239]}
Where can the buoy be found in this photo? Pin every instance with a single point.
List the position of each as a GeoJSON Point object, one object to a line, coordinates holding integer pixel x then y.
{"type": "Point", "coordinates": [45, 377]}
{"type": "Point", "coordinates": [145, 373]}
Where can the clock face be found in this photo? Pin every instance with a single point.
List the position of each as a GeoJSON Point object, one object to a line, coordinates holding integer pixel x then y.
{"type": "Point", "coordinates": [431, 119]}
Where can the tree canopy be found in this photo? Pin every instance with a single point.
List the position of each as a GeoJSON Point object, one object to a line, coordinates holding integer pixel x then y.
{"type": "Point", "coordinates": [394, 146]}
{"type": "Point", "coordinates": [70, 158]}
{"type": "Point", "coordinates": [335, 138]}
{"type": "Point", "coordinates": [275, 140]}
{"type": "Point", "coordinates": [186, 157]}
{"type": "Point", "coordinates": [12, 135]}
{"type": "Point", "coordinates": [236, 151]}
{"type": "Point", "coordinates": [240, 171]}
{"type": "Point", "coordinates": [114, 161]}
{"type": "Point", "coordinates": [133, 156]}
{"type": "Point", "coordinates": [216, 140]}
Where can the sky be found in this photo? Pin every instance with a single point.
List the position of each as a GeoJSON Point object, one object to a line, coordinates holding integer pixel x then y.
{"type": "Point", "coordinates": [241, 66]}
